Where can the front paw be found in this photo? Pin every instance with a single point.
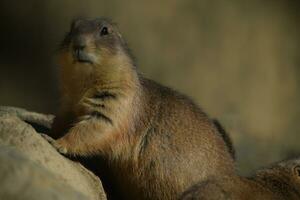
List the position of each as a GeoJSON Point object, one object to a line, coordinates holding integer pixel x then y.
{"type": "Point", "coordinates": [57, 144]}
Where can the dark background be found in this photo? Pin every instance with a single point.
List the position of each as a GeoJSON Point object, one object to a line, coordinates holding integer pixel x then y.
{"type": "Point", "coordinates": [238, 59]}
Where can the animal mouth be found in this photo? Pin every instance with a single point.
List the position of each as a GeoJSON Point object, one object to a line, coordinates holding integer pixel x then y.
{"type": "Point", "coordinates": [82, 60]}
{"type": "Point", "coordinates": [82, 57]}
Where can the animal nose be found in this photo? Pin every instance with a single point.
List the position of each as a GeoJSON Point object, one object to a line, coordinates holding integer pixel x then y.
{"type": "Point", "coordinates": [79, 52]}
{"type": "Point", "coordinates": [78, 47]}
{"type": "Point", "coordinates": [78, 44]}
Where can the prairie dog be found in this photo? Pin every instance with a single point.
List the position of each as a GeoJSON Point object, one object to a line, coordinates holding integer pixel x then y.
{"type": "Point", "coordinates": [155, 141]}
{"type": "Point", "coordinates": [280, 181]}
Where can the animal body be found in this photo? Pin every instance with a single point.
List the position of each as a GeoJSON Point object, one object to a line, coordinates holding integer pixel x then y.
{"type": "Point", "coordinates": [280, 181]}
{"type": "Point", "coordinates": [154, 141]}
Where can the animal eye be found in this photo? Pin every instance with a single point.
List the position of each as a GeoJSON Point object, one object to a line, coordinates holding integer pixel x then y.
{"type": "Point", "coordinates": [297, 170]}
{"type": "Point", "coordinates": [104, 31]}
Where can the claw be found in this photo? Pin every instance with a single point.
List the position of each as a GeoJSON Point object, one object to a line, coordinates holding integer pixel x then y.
{"type": "Point", "coordinates": [56, 144]}
{"type": "Point", "coordinates": [61, 149]}
{"type": "Point", "coordinates": [48, 138]}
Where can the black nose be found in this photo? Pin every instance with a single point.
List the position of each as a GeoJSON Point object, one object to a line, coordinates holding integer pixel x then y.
{"type": "Point", "coordinates": [79, 44]}
{"type": "Point", "coordinates": [78, 47]}
{"type": "Point", "coordinates": [79, 53]}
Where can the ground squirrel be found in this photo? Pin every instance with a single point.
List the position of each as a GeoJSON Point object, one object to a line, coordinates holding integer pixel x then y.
{"type": "Point", "coordinates": [155, 141]}
{"type": "Point", "coordinates": [281, 181]}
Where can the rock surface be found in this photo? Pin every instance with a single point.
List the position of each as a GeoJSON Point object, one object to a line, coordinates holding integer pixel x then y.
{"type": "Point", "coordinates": [30, 168]}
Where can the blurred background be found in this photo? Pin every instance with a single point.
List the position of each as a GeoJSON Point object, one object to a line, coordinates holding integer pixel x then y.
{"type": "Point", "coordinates": [238, 59]}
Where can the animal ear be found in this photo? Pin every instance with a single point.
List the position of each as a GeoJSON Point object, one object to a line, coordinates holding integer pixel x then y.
{"type": "Point", "coordinates": [296, 170]}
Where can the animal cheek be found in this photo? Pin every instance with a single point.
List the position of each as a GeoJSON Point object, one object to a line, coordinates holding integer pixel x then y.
{"type": "Point", "coordinates": [64, 57]}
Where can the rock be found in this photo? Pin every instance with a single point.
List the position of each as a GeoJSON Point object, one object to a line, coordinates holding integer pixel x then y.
{"type": "Point", "coordinates": [27, 116]}
{"type": "Point", "coordinates": [30, 168]}
{"type": "Point", "coordinates": [22, 179]}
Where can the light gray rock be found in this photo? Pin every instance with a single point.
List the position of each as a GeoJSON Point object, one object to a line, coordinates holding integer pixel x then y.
{"type": "Point", "coordinates": [33, 117]}
{"type": "Point", "coordinates": [36, 165]}
{"type": "Point", "coordinates": [23, 179]}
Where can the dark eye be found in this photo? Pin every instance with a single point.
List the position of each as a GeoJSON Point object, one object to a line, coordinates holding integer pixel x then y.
{"type": "Point", "coordinates": [297, 170]}
{"type": "Point", "coordinates": [104, 31]}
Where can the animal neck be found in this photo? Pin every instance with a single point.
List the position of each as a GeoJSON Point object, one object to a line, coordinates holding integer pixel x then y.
{"type": "Point", "coordinates": [113, 72]}
{"type": "Point", "coordinates": [118, 72]}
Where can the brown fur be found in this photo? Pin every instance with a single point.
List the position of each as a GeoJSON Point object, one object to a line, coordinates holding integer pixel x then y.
{"type": "Point", "coordinates": [154, 141]}
{"type": "Point", "coordinates": [280, 181]}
